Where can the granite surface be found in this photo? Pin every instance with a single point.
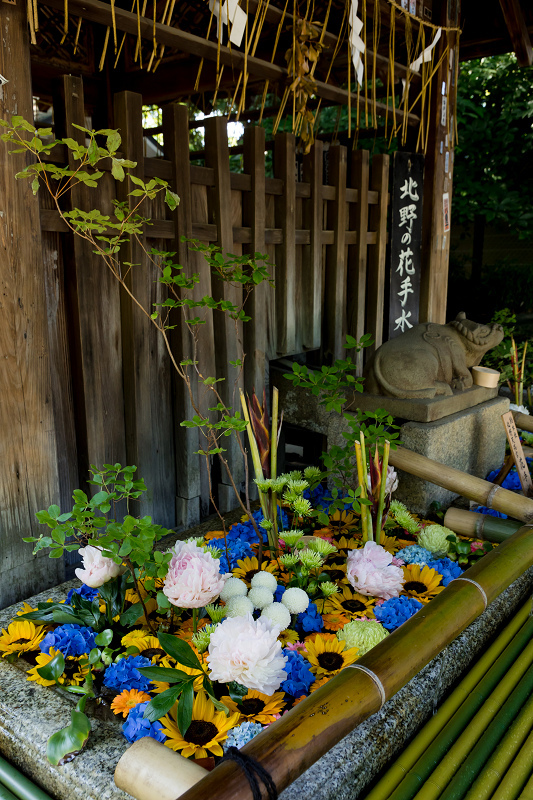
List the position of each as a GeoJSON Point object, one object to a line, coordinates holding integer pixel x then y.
{"type": "Point", "coordinates": [426, 410]}
{"type": "Point", "coordinates": [29, 714]}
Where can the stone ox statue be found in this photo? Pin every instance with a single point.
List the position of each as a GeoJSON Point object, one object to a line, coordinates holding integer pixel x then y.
{"type": "Point", "coordinates": [430, 359]}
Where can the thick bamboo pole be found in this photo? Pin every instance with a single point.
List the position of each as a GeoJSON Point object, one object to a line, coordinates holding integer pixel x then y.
{"type": "Point", "coordinates": [480, 526]}
{"type": "Point", "coordinates": [498, 764]}
{"type": "Point", "coordinates": [483, 492]}
{"type": "Point", "coordinates": [19, 786]}
{"type": "Point", "coordinates": [517, 677]}
{"type": "Point", "coordinates": [523, 421]}
{"type": "Point", "coordinates": [483, 677]}
{"type": "Point", "coordinates": [518, 774]}
{"type": "Point", "coordinates": [291, 744]}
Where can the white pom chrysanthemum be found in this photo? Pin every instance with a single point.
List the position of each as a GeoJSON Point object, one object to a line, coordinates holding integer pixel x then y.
{"type": "Point", "coordinates": [260, 597]}
{"type": "Point", "coordinates": [239, 607]}
{"type": "Point", "coordinates": [247, 651]}
{"type": "Point", "coordinates": [295, 600]}
{"type": "Point", "coordinates": [265, 580]}
{"type": "Point", "coordinates": [278, 615]}
{"type": "Point", "coordinates": [233, 587]}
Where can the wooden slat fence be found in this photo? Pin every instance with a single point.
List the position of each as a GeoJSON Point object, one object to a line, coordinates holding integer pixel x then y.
{"type": "Point", "coordinates": [327, 244]}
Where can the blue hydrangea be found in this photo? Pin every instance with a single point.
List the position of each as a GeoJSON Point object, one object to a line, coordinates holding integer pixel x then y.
{"type": "Point", "coordinates": [414, 554]}
{"type": "Point", "coordinates": [447, 568]}
{"type": "Point", "coordinates": [237, 549]}
{"type": "Point", "coordinates": [279, 592]}
{"type": "Point", "coordinates": [125, 674]}
{"type": "Point", "coordinates": [299, 675]}
{"type": "Point", "coordinates": [394, 612]}
{"type": "Point", "coordinates": [309, 621]}
{"type": "Point", "coordinates": [511, 482]}
{"type": "Point", "coordinates": [87, 592]}
{"type": "Point", "coordinates": [136, 727]}
{"type": "Point", "coordinates": [242, 734]}
{"type": "Point", "coordinates": [71, 640]}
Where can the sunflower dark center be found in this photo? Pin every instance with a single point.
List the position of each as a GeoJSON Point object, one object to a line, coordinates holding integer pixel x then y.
{"type": "Point", "coordinates": [353, 606]}
{"type": "Point", "coordinates": [250, 574]}
{"type": "Point", "coordinates": [153, 651]}
{"type": "Point", "coordinates": [330, 661]}
{"type": "Point", "coordinates": [200, 732]}
{"type": "Point", "coordinates": [252, 706]}
{"type": "Point", "coordinates": [336, 574]}
{"type": "Point", "coordinates": [415, 586]}
{"type": "Point", "coordinates": [20, 641]}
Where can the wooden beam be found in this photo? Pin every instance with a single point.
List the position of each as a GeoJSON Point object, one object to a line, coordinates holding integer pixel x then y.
{"type": "Point", "coordinates": [96, 11]}
{"type": "Point", "coordinates": [516, 25]}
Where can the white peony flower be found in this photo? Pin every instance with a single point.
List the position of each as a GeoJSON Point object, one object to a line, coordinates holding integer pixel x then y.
{"type": "Point", "coordinates": [193, 579]}
{"type": "Point", "coordinates": [260, 597]}
{"type": "Point", "coordinates": [278, 615]}
{"type": "Point", "coordinates": [266, 580]}
{"type": "Point", "coordinates": [247, 651]}
{"type": "Point", "coordinates": [97, 568]}
{"type": "Point", "coordinates": [295, 600]}
{"type": "Point", "coordinates": [233, 587]}
{"type": "Point", "coordinates": [239, 607]}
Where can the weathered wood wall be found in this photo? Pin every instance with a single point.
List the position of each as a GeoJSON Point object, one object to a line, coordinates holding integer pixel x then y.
{"type": "Point", "coordinates": [115, 396]}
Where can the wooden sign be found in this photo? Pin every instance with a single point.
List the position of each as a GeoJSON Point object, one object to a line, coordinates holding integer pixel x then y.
{"type": "Point", "coordinates": [405, 242]}
{"type": "Point", "coordinates": [518, 454]}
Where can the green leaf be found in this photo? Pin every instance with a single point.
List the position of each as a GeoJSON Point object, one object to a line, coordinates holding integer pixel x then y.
{"type": "Point", "coordinates": [104, 638]}
{"type": "Point", "coordinates": [166, 674]}
{"type": "Point", "coordinates": [237, 691]}
{"type": "Point", "coordinates": [171, 199]}
{"type": "Point", "coordinates": [117, 170]}
{"type": "Point", "coordinates": [113, 141]}
{"type": "Point", "coordinates": [179, 650]}
{"type": "Point", "coordinates": [54, 668]}
{"type": "Point", "coordinates": [70, 740]}
{"type": "Point", "coordinates": [131, 616]}
{"type": "Point", "coordinates": [184, 717]}
{"type": "Point", "coordinates": [161, 705]}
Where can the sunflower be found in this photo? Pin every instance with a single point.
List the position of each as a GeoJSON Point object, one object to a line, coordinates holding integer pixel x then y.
{"type": "Point", "coordinates": [352, 543]}
{"type": "Point", "coordinates": [257, 707]}
{"type": "Point", "coordinates": [288, 637]}
{"type": "Point", "coordinates": [128, 699]}
{"type": "Point", "coordinates": [145, 643]}
{"type": "Point", "coordinates": [20, 637]}
{"type": "Point", "coordinates": [336, 571]}
{"type": "Point", "coordinates": [389, 543]}
{"type": "Point", "coordinates": [74, 674]}
{"type": "Point", "coordinates": [350, 603]}
{"type": "Point", "coordinates": [208, 728]}
{"type": "Point", "coordinates": [317, 684]}
{"type": "Point", "coordinates": [421, 582]}
{"type": "Point", "coordinates": [247, 567]}
{"type": "Point", "coordinates": [327, 656]}
{"type": "Point", "coordinates": [343, 521]}
{"type": "Point", "coordinates": [312, 636]}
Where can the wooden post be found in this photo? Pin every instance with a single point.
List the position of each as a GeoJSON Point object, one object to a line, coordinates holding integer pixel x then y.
{"type": "Point", "coordinates": [376, 257]}
{"type": "Point", "coordinates": [313, 269]}
{"type": "Point", "coordinates": [94, 307]}
{"type": "Point", "coordinates": [227, 332]}
{"type": "Point", "coordinates": [254, 212]}
{"type": "Point", "coordinates": [188, 462]}
{"type": "Point", "coordinates": [285, 170]}
{"type": "Point", "coordinates": [28, 454]}
{"type": "Point", "coordinates": [438, 180]}
{"type": "Point", "coordinates": [360, 173]}
{"type": "Point", "coordinates": [336, 266]}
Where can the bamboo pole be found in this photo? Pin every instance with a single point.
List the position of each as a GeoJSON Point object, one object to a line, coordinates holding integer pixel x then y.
{"type": "Point", "coordinates": [519, 676]}
{"type": "Point", "coordinates": [483, 677]}
{"type": "Point", "coordinates": [488, 742]}
{"type": "Point", "coordinates": [498, 764]}
{"type": "Point", "coordinates": [20, 786]}
{"type": "Point", "coordinates": [483, 492]}
{"type": "Point", "coordinates": [480, 526]}
{"type": "Point", "coordinates": [523, 421]}
{"type": "Point", "coordinates": [518, 774]}
{"type": "Point", "coordinates": [527, 791]}
{"type": "Point", "coordinates": [291, 744]}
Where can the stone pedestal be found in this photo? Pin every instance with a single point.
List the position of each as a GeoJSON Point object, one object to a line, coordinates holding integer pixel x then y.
{"type": "Point", "coordinates": [472, 441]}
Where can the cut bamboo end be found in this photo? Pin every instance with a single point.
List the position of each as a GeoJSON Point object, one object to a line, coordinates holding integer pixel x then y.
{"type": "Point", "coordinates": [483, 492]}
{"type": "Point", "coordinates": [480, 526]}
{"type": "Point", "coordinates": [523, 421]}
{"type": "Point", "coordinates": [150, 771]}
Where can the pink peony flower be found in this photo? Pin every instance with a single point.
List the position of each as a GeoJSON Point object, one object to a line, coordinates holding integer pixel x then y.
{"type": "Point", "coordinates": [193, 578]}
{"type": "Point", "coordinates": [371, 572]}
{"type": "Point", "coordinates": [247, 651]}
{"type": "Point", "coordinates": [97, 568]}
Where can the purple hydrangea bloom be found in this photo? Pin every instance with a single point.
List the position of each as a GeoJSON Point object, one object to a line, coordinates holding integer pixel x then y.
{"type": "Point", "coordinates": [87, 592]}
{"type": "Point", "coordinates": [71, 640]}
{"type": "Point", "coordinates": [394, 612]}
{"type": "Point", "coordinates": [125, 674]}
{"type": "Point", "coordinates": [310, 621]}
{"type": "Point", "coordinates": [136, 727]}
{"type": "Point", "coordinates": [299, 675]}
{"type": "Point", "coordinates": [447, 568]}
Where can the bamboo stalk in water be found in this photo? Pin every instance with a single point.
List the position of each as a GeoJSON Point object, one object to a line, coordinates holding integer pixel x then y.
{"type": "Point", "coordinates": [483, 492]}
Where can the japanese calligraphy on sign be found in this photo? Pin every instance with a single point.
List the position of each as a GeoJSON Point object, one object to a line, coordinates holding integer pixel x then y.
{"type": "Point", "coordinates": [518, 454]}
{"type": "Point", "coordinates": [405, 242]}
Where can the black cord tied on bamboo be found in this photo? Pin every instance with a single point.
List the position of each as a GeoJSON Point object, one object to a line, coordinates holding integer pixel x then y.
{"type": "Point", "coordinates": [254, 771]}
